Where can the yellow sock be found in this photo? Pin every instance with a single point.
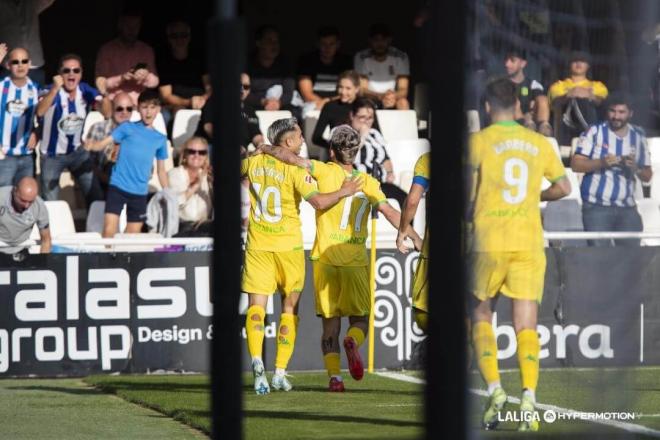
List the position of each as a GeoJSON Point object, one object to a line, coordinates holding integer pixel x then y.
{"type": "Point", "coordinates": [332, 364]}
{"type": "Point", "coordinates": [254, 326]}
{"type": "Point", "coordinates": [357, 334]}
{"type": "Point", "coordinates": [528, 358]}
{"type": "Point", "coordinates": [286, 340]}
{"type": "Point", "coordinates": [485, 346]}
{"type": "Point", "coordinates": [422, 319]}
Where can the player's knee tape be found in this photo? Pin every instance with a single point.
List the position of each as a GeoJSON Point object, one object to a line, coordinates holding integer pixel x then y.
{"type": "Point", "coordinates": [286, 340]}
{"type": "Point", "coordinates": [254, 327]}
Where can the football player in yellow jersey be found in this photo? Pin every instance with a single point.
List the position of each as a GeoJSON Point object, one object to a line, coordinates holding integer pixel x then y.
{"type": "Point", "coordinates": [508, 163]}
{"type": "Point", "coordinates": [274, 256]}
{"type": "Point", "coordinates": [420, 185]}
{"type": "Point", "coordinates": [341, 276]}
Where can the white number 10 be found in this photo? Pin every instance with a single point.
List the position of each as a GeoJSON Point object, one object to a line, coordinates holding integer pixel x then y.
{"type": "Point", "coordinates": [261, 206]}
{"type": "Point", "coordinates": [512, 167]}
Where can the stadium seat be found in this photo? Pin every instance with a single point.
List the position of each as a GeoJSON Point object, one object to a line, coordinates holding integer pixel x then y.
{"type": "Point", "coordinates": [267, 117]}
{"type": "Point", "coordinates": [649, 210]}
{"type": "Point", "coordinates": [385, 232]}
{"type": "Point", "coordinates": [574, 178]}
{"type": "Point", "coordinates": [154, 183]}
{"type": "Point", "coordinates": [397, 125]}
{"type": "Point", "coordinates": [137, 247]}
{"type": "Point", "coordinates": [308, 220]}
{"type": "Point", "coordinates": [473, 123]}
{"type": "Point", "coordinates": [563, 216]}
{"type": "Point", "coordinates": [419, 222]}
{"type": "Point", "coordinates": [91, 119]}
{"type": "Point", "coordinates": [96, 214]}
{"type": "Point", "coordinates": [60, 218]}
{"type": "Point", "coordinates": [654, 149]}
{"type": "Point", "coordinates": [159, 122]}
{"type": "Point", "coordinates": [309, 124]}
{"type": "Point", "coordinates": [184, 126]}
{"type": "Point", "coordinates": [404, 155]}
{"type": "Point", "coordinates": [555, 145]}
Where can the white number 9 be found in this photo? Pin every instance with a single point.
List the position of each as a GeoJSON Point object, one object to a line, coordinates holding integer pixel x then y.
{"type": "Point", "coordinates": [512, 167]}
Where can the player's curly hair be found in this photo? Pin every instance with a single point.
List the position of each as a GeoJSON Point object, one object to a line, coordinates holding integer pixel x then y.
{"type": "Point", "coordinates": [279, 128]}
{"type": "Point", "coordinates": [345, 142]}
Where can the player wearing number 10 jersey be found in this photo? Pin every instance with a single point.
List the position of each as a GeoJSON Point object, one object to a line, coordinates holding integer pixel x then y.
{"type": "Point", "coordinates": [274, 256]}
{"type": "Point", "coordinates": [508, 163]}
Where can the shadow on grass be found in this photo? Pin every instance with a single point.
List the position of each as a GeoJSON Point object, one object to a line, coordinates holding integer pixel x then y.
{"type": "Point", "coordinates": [72, 390]}
{"type": "Point", "coordinates": [152, 386]}
{"type": "Point", "coordinates": [296, 415]}
{"type": "Point", "coordinates": [349, 390]}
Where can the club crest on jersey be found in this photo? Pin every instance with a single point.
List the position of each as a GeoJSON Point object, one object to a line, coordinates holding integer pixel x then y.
{"type": "Point", "coordinates": [16, 107]}
{"type": "Point", "coordinates": [71, 124]}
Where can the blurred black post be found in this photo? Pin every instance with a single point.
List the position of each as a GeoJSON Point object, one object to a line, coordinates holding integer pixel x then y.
{"type": "Point", "coordinates": [225, 60]}
{"type": "Point", "coordinates": [446, 389]}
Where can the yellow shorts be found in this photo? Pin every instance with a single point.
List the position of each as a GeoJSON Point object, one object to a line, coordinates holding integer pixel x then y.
{"type": "Point", "coordinates": [341, 290]}
{"type": "Point", "coordinates": [518, 275]}
{"type": "Point", "coordinates": [420, 287]}
{"type": "Point", "coordinates": [265, 272]}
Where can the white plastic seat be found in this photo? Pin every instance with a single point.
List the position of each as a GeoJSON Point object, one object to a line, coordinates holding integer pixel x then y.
{"type": "Point", "coordinates": [419, 222]}
{"type": "Point", "coordinates": [574, 180]}
{"type": "Point", "coordinates": [267, 117]}
{"type": "Point", "coordinates": [308, 220]}
{"type": "Point", "coordinates": [404, 155]}
{"type": "Point", "coordinates": [385, 232]}
{"type": "Point", "coordinates": [654, 149]}
{"type": "Point", "coordinates": [159, 122]}
{"type": "Point", "coordinates": [137, 247]}
{"type": "Point", "coordinates": [184, 126]}
{"type": "Point", "coordinates": [397, 124]}
{"type": "Point", "coordinates": [91, 119]}
{"type": "Point", "coordinates": [96, 214]}
{"type": "Point", "coordinates": [154, 183]}
{"type": "Point", "coordinates": [649, 210]}
{"type": "Point", "coordinates": [473, 123]}
{"type": "Point", "coordinates": [60, 218]}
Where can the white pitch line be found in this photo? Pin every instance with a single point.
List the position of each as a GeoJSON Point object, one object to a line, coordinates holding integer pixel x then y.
{"type": "Point", "coordinates": [629, 427]}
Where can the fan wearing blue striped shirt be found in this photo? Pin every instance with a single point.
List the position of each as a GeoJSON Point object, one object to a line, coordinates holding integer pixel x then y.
{"type": "Point", "coordinates": [612, 154]}
{"type": "Point", "coordinates": [18, 100]}
{"type": "Point", "coordinates": [62, 111]}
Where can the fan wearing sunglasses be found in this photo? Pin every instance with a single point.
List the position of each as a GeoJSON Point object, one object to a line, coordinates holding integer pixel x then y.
{"type": "Point", "coordinates": [192, 183]}
{"type": "Point", "coordinates": [17, 136]}
{"type": "Point", "coordinates": [62, 112]}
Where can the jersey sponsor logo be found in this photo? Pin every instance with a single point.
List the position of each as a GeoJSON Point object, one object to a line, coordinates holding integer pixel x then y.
{"type": "Point", "coordinates": [71, 125]}
{"type": "Point", "coordinates": [16, 107]}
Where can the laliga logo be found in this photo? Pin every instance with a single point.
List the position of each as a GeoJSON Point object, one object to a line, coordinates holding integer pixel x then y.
{"type": "Point", "coordinates": [594, 340]}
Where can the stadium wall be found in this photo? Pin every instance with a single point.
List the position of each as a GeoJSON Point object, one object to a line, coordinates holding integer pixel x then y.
{"type": "Point", "coordinates": [72, 315]}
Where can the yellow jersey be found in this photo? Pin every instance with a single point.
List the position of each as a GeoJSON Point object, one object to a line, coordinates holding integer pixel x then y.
{"type": "Point", "coordinates": [508, 163]}
{"type": "Point", "coordinates": [562, 87]}
{"type": "Point", "coordinates": [341, 231]}
{"type": "Point", "coordinates": [276, 189]}
{"type": "Point", "coordinates": [422, 176]}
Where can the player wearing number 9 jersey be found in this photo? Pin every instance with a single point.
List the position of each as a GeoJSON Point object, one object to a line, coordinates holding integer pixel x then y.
{"type": "Point", "coordinates": [274, 256]}
{"type": "Point", "coordinates": [508, 163]}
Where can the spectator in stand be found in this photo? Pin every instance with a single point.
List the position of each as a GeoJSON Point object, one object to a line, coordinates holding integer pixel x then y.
{"type": "Point", "coordinates": [139, 144]}
{"type": "Point", "coordinates": [250, 131]}
{"type": "Point", "coordinates": [103, 156]}
{"type": "Point", "coordinates": [318, 71]}
{"type": "Point", "coordinates": [184, 82]}
{"type": "Point", "coordinates": [611, 154]}
{"type": "Point", "coordinates": [272, 78]}
{"type": "Point", "coordinates": [19, 102]}
{"type": "Point", "coordinates": [373, 150]}
{"type": "Point", "coordinates": [19, 27]}
{"type": "Point", "coordinates": [384, 70]}
{"type": "Point", "coordinates": [533, 110]}
{"type": "Point", "coordinates": [20, 209]}
{"type": "Point", "coordinates": [336, 112]}
{"type": "Point", "coordinates": [192, 183]}
{"type": "Point", "coordinates": [62, 111]}
{"type": "Point", "coordinates": [126, 64]}
{"type": "Point", "coordinates": [575, 100]}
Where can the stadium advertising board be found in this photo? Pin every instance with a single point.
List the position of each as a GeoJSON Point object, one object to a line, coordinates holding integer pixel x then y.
{"type": "Point", "coordinates": [92, 313]}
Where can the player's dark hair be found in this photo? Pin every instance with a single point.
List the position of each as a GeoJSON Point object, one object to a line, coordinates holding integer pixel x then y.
{"type": "Point", "coordinates": [345, 143]}
{"type": "Point", "coordinates": [501, 94]}
{"type": "Point", "coordinates": [280, 128]}
{"type": "Point", "coordinates": [350, 74]}
{"type": "Point", "coordinates": [70, 56]}
{"type": "Point", "coordinates": [328, 31]}
{"type": "Point", "coordinates": [618, 98]}
{"type": "Point", "coordinates": [150, 96]}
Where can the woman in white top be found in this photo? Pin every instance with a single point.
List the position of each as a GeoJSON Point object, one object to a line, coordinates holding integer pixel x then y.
{"type": "Point", "coordinates": [192, 181]}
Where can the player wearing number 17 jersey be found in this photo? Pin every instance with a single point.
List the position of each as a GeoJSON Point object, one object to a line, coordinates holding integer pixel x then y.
{"type": "Point", "coordinates": [274, 256]}
{"type": "Point", "coordinates": [508, 163]}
